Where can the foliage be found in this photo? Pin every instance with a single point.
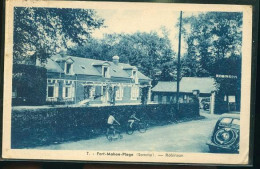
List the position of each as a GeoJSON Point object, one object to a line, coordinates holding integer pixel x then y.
{"type": "Point", "coordinates": [30, 84]}
{"type": "Point", "coordinates": [150, 53]}
{"type": "Point", "coordinates": [144, 91]}
{"type": "Point", "coordinates": [37, 127]}
{"type": "Point", "coordinates": [41, 32]}
{"type": "Point", "coordinates": [213, 38]}
{"type": "Point", "coordinates": [214, 48]}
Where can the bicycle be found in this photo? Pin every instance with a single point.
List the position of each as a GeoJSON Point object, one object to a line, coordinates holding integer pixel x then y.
{"type": "Point", "coordinates": [141, 126]}
{"type": "Point", "coordinates": [113, 133]}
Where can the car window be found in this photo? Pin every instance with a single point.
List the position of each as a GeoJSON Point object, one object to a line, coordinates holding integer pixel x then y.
{"type": "Point", "coordinates": [226, 120]}
{"type": "Point", "coordinates": [205, 100]}
{"type": "Point", "coordinates": [236, 121]}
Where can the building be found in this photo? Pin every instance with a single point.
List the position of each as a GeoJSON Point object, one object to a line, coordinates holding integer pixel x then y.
{"type": "Point", "coordinates": [165, 92]}
{"type": "Point", "coordinates": [73, 79]}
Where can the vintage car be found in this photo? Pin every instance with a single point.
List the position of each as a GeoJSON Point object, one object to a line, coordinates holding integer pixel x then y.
{"type": "Point", "coordinates": [205, 103]}
{"type": "Point", "coordinates": [225, 136]}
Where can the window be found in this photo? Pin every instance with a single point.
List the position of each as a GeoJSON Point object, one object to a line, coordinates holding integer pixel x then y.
{"type": "Point", "coordinates": [67, 92]}
{"type": "Point", "coordinates": [134, 73]}
{"type": "Point", "coordinates": [98, 90]}
{"type": "Point", "coordinates": [164, 99]}
{"type": "Point", "coordinates": [181, 100]}
{"type": "Point", "coordinates": [14, 93]}
{"type": "Point", "coordinates": [104, 93]}
{"type": "Point", "coordinates": [50, 91]}
{"type": "Point", "coordinates": [105, 72]}
{"type": "Point", "coordinates": [168, 99]}
{"type": "Point", "coordinates": [236, 121]}
{"type": "Point", "coordinates": [231, 99]}
{"type": "Point", "coordinates": [119, 93]}
{"type": "Point", "coordinates": [134, 76]}
{"type": "Point", "coordinates": [155, 98]}
{"type": "Point", "coordinates": [226, 120]}
{"type": "Point", "coordinates": [82, 67]}
{"type": "Point", "coordinates": [134, 92]}
{"type": "Point", "coordinates": [92, 92]}
{"type": "Point", "coordinates": [68, 68]}
{"type": "Point", "coordinates": [160, 99]}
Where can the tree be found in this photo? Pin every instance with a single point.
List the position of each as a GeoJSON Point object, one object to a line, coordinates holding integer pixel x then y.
{"type": "Point", "coordinates": [42, 32]}
{"type": "Point", "coordinates": [144, 91]}
{"type": "Point", "coordinates": [29, 84]}
{"type": "Point", "coordinates": [214, 48]}
{"type": "Point", "coordinates": [213, 36]}
{"type": "Point", "coordinates": [150, 53]}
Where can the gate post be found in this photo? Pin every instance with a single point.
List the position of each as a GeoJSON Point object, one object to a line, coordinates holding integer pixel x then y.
{"type": "Point", "coordinates": [212, 102]}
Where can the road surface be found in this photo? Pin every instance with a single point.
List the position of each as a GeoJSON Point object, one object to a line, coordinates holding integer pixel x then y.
{"type": "Point", "coordinates": [188, 136]}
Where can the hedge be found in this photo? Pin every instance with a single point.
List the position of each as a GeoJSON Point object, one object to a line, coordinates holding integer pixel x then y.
{"type": "Point", "coordinates": [37, 127]}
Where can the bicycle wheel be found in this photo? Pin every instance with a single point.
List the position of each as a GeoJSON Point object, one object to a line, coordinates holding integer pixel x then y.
{"type": "Point", "coordinates": [129, 130]}
{"type": "Point", "coordinates": [109, 138]}
{"type": "Point", "coordinates": [142, 127]}
{"type": "Point", "coordinates": [109, 135]}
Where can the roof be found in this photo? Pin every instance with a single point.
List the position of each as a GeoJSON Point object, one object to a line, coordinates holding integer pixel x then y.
{"type": "Point", "coordinates": [53, 66]}
{"type": "Point", "coordinates": [187, 85]}
{"type": "Point", "coordinates": [86, 66]}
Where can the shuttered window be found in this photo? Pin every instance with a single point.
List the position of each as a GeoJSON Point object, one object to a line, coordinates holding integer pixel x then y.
{"type": "Point", "coordinates": [134, 92]}
{"type": "Point", "coordinates": [68, 91]}
{"type": "Point", "coordinates": [52, 90]}
{"type": "Point", "coordinates": [119, 93]}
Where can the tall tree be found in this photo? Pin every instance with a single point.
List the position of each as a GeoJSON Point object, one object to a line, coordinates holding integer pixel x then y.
{"type": "Point", "coordinates": [42, 32]}
{"type": "Point", "coordinates": [214, 49]}
{"type": "Point", "coordinates": [150, 53]}
{"type": "Point", "coordinates": [213, 36]}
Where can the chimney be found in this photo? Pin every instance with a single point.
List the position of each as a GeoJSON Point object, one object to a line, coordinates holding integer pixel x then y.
{"type": "Point", "coordinates": [116, 60]}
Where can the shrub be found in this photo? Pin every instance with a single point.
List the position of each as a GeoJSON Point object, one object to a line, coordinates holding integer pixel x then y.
{"type": "Point", "coordinates": [35, 127]}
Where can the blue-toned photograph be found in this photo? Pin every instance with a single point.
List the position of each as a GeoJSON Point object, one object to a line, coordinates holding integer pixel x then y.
{"type": "Point", "coordinates": [126, 80]}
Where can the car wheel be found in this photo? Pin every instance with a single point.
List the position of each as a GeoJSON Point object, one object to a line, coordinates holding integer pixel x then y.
{"type": "Point", "coordinates": [225, 137]}
{"type": "Point", "coordinates": [206, 106]}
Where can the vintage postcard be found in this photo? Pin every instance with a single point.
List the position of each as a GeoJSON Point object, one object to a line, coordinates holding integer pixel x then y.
{"type": "Point", "coordinates": [127, 82]}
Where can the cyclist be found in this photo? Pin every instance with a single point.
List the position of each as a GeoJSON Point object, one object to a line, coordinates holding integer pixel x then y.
{"type": "Point", "coordinates": [111, 122]}
{"type": "Point", "coordinates": [132, 119]}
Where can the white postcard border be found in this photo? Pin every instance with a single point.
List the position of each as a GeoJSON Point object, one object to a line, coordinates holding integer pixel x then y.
{"type": "Point", "coordinates": [206, 158]}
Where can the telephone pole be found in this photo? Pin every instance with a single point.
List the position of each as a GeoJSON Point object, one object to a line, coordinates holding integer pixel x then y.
{"type": "Point", "coordinates": [179, 65]}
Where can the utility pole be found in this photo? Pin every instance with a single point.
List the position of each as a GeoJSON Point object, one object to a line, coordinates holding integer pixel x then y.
{"type": "Point", "coordinates": [179, 66]}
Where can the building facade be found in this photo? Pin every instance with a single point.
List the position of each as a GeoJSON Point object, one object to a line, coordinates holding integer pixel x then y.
{"type": "Point", "coordinates": [204, 88]}
{"type": "Point", "coordinates": [75, 80]}
{"type": "Point", "coordinates": [165, 92]}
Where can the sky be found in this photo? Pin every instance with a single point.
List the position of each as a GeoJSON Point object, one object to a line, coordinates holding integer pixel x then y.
{"type": "Point", "coordinates": [131, 21]}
